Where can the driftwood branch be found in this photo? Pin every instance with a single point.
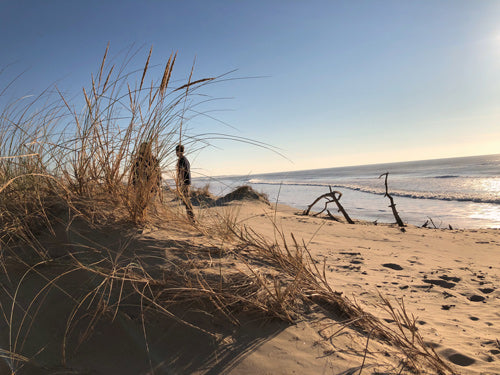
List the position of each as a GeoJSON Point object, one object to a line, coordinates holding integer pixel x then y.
{"type": "Point", "coordinates": [339, 206]}
{"type": "Point", "coordinates": [392, 205]}
{"type": "Point", "coordinates": [332, 217]}
{"type": "Point", "coordinates": [330, 197]}
{"type": "Point", "coordinates": [306, 212]}
{"type": "Point", "coordinates": [429, 220]}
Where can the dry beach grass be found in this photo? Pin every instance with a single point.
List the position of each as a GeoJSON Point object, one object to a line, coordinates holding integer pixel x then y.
{"type": "Point", "coordinates": [99, 276]}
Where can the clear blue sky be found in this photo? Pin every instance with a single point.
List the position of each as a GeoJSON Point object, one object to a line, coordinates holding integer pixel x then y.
{"type": "Point", "coordinates": [346, 82]}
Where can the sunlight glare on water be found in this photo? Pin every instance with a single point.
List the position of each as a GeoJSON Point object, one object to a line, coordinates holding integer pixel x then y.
{"type": "Point", "coordinates": [487, 212]}
{"type": "Point", "coordinates": [492, 185]}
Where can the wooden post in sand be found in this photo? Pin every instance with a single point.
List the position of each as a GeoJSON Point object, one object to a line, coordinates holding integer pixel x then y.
{"type": "Point", "coordinates": [392, 205]}
{"type": "Point", "coordinates": [333, 198]}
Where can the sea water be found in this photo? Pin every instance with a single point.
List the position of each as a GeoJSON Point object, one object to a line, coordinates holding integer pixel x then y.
{"type": "Point", "coordinates": [461, 192]}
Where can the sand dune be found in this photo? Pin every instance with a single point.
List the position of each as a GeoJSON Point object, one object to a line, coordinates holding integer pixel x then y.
{"type": "Point", "coordinates": [448, 279]}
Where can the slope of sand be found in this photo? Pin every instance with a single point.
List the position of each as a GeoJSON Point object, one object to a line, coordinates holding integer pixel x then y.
{"type": "Point", "coordinates": [448, 279]}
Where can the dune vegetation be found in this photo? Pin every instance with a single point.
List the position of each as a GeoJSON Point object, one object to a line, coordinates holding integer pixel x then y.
{"type": "Point", "coordinates": [85, 253]}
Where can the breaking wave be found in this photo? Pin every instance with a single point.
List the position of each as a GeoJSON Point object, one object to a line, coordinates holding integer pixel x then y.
{"type": "Point", "coordinates": [448, 196]}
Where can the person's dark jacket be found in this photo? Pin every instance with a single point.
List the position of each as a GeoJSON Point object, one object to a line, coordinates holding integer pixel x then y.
{"type": "Point", "coordinates": [183, 171]}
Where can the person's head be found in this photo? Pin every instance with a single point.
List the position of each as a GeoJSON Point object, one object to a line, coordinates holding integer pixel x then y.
{"type": "Point", "coordinates": [179, 150]}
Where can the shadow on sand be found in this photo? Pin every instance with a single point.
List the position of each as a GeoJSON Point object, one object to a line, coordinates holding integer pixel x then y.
{"type": "Point", "coordinates": [54, 307]}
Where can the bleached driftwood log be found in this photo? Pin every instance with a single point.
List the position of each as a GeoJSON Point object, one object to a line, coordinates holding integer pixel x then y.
{"type": "Point", "coordinates": [330, 197]}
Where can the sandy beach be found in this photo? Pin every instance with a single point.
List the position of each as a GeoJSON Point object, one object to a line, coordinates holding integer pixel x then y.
{"type": "Point", "coordinates": [448, 279]}
{"type": "Point", "coordinates": [107, 301]}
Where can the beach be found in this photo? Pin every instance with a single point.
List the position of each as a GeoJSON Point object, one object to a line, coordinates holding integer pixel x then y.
{"type": "Point", "coordinates": [461, 192]}
{"type": "Point", "coordinates": [445, 281]}
{"type": "Point", "coordinates": [448, 279]}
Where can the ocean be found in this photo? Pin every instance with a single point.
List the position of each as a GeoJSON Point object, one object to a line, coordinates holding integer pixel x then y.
{"type": "Point", "coordinates": [461, 192]}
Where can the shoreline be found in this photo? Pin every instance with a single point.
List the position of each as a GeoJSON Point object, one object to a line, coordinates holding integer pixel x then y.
{"type": "Point", "coordinates": [461, 192]}
{"type": "Point", "coordinates": [371, 207]}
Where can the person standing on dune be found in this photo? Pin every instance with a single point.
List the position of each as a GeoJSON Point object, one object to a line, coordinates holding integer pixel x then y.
{"type": "Point", "coordinates": [146, 173]}
{"type": "Point", "coordinates": [184, 180]}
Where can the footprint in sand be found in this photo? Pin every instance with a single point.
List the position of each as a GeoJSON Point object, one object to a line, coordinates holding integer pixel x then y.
{"type": "Point", "coordinates": [450, 278]}
{"type": "Point", "coordinates": [393, 266]}
{"type": "Point", "coordinates": [439, 282]}
{"type": "Point", "coordinates": [356, 261]}
{"type": "Point", "coordinates": [476, 298]}
{"type": "Point", "coordinates": [447, 307]}
{"type": "Point", "coordinates": [349, 253]}
{"type": "Point", "coordinates": [487, 290]}
{"type": "Point", "coordinates": [457, 358]}
{"type": "Point", "coordinates": [444, 281]}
